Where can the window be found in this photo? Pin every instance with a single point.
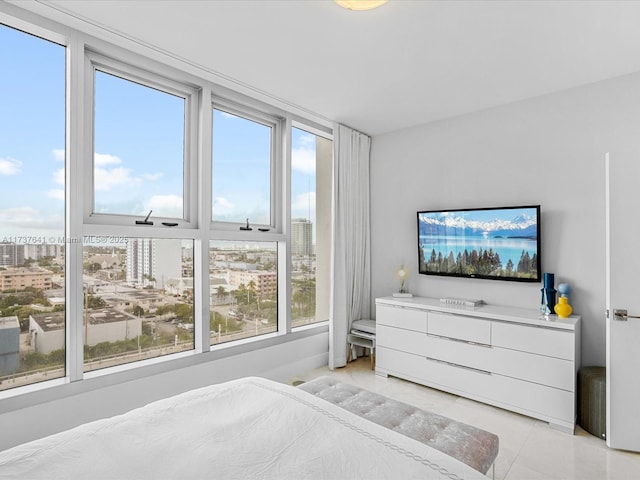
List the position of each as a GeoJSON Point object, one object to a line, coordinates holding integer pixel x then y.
{"type": "Point", "coordinates": [32, 172]}
{"type": "Point", "coordinates": [142, 128]}
{"type": "Point", "coordinates": [104, 289]}
{"type": "Point", "coordinates": [242, 167]}
{"type": "Point", "coordinates": [244, 289]}
{"type": "Point", "coordinates": [138, 299]}
{"type": "Point", "coordinates": [311, 163]}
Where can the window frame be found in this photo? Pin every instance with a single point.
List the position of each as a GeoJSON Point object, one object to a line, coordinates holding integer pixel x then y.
{"type": "Point", "coordinates": [152, 79]}
{"type": "Point", "coordinates": [247, 111]}
{"type": "Point", "coordinates": [154, 68]}
{"type": "Point", "coordinates": [325, 133]}
{"type": "Point", "coordinates": [61, 37]}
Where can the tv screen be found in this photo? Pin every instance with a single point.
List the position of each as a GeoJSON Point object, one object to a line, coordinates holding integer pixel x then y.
{"type": "Point", "coordinates": [500, 243]}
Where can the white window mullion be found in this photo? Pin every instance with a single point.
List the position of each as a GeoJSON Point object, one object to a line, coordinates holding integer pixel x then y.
{"type": "Point", "coordinates": [202, 173]}
{"type": "Point", "coordinates": [75, 185]}
{"type": "Point", "coordinates": [284, 246]}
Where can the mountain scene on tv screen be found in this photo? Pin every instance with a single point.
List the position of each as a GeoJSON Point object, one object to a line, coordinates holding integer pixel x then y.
{"type": "Point", "coordinates": [488, 243]}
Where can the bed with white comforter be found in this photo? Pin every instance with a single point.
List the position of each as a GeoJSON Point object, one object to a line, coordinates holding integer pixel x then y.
{"type": "Point", "coordinates": [243, 429]}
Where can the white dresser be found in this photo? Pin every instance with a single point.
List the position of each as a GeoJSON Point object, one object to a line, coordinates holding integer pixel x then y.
{"type": "Point", "coordinates": [504, 356]}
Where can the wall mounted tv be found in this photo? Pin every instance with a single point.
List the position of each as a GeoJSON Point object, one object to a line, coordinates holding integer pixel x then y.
{"type": "Point", "coordinates": [500, 243]}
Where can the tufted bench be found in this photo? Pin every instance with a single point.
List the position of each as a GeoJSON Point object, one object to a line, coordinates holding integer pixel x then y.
{"type": "Point", "coordinates": [473, 446]}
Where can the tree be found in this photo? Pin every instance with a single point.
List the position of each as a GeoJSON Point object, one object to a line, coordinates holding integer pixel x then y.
{"type": "Point", "coordinates": [93, 301]}
{"type": "Point", "coordinates": [138, 311]}
{"type": "Point", "coordinates": [221, 292]}
{"type": "Point", "coordinates": [524, 265]}
{"type": "Point", "coordinates": [150, 280]}
{"type": "Point", "coordinates": [184, 312]}
{"type": "Point", "coordinates": [509, 268]}
{"type": "Point", "coordinates": [241, 295]}
{"type": "Point", "coordinates": [92, 267]}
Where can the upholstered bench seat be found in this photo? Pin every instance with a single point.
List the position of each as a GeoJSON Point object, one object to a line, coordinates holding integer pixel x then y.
{"type": "Point", "coordinates": [473, 446]}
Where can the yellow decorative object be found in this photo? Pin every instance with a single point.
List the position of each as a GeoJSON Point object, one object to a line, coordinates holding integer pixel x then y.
{"type": "Point", "coordinates": [562, 308]}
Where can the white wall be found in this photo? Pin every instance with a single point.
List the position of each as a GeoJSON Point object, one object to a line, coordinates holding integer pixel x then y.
{"type": "Point", "coordinates": [548, 151]}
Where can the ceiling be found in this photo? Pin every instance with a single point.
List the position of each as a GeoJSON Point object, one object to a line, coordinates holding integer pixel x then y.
{"type": "Point", "coordinates": [409, 62]}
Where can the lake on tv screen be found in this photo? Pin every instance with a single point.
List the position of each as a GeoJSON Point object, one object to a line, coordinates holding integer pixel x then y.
{"type": "Point", "coordinates": [506, 248]}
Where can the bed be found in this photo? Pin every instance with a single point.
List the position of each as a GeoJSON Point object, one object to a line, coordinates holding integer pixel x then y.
{"type": "Point", "coordinates": [242, 429]}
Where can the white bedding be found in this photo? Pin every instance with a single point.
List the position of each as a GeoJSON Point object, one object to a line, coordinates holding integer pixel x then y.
{"type": "Point", "coordinates": [243, 429]}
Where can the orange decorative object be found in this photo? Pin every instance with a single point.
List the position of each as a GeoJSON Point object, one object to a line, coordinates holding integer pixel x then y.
{"type": "Point", "coordinates": [562, 308]}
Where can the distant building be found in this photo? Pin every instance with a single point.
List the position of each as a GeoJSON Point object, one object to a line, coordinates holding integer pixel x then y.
{"type": "Point", "coordinates": [220, 292]}
{"type": "Point", "coordinates": [153, 261]}
{"type": "Point", "coordinates": [179, 286]}
{"type": "Point", "coordinates": [9, 345]}
{"type": "Point", "coordinates": [37, 251]}
{"type": "Point", "coordinates": [129, 299]}
{"type": "Point", "coordinates": [11, 254]}
{"type": "Point", "coordinates": [266, 282]}
{"type": "Point", "coordinates": [19, 278]}
{"type": "Point", "coordinates": [46, 332]}
{"type": "Point", "coordinates": [110, 325]}
{"type": "Point", "coordinates": [102, 325]}
{"type": "Point", "coordinates": [301, 236]}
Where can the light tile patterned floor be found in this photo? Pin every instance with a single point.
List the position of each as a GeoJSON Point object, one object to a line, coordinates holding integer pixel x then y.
{"type": "Point", "coordinates": [529, 448]}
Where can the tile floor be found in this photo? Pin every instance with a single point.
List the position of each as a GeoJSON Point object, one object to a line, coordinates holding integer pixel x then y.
{"type": "Point", "coordinates": [529, 448]}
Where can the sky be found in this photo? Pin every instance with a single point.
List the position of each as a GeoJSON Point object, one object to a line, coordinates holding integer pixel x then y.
{"type": "Point", "coordinates": [138, 143]}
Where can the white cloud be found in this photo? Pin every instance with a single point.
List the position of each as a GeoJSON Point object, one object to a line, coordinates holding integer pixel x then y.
{"type": "Point", "coordinates": [107, 179]}
{"type": "Point", "coordinates": [222, 206]}
{"type": "Point", "coordinates": [306, 139]}
{"type": "Point", "coordinates": [29, 221]}
{"type": "Point", "coordinates": [56, 193]}
{"type": "Point", "coordinates": [303, 159]}
{"type": "Point", "coordinates": [165, 206]}
{"type": "Point", "coordinates": [58, 154]}
{"type": "Point", "coordinates": [10, 166]}
{"type": "Point", "coordinates": [151, 176]}
{"type": "Point", "coordinates": [109, 173]}
{"type": "Point", "coordinates": [102, 159]}
{"type": "Point", "coordinates": [303, 203]}
{"type": "Point", "coordinates": [58, 176]}
{"type": "Point", "coordinates": [18, 213]}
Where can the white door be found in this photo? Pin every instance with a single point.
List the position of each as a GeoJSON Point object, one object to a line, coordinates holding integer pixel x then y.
{"type": "Point", "coordinates": [622, 179]}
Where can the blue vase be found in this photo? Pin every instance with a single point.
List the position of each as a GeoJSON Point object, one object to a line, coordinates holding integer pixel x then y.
{"type": "Point", "coordinates": [548, 300]}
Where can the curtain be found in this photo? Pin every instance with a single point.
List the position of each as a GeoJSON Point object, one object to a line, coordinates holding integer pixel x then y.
{"type": "Point", "coordinates": [351, 270]}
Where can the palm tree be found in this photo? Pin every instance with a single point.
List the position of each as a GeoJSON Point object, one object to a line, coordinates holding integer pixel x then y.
{"type": "Point", "coordinates": [221, 292]}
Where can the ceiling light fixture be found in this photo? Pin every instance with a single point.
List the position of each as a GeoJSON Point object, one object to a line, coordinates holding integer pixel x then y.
{"type": "Point", "coordinates": [360, 4]}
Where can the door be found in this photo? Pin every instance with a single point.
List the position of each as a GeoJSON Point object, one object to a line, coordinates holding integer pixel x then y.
{"type": "Point", "coordinates": [622, 191]}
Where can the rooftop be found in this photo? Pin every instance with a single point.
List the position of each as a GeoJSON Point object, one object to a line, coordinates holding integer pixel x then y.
{"type": "Point", "coordinates": [9, 322]}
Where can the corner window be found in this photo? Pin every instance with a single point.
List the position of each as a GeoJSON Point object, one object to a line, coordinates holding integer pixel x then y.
{"type": "Point", "coordinates": [32, 226]}
{"type": "Point", "coordinates": [311, 164]}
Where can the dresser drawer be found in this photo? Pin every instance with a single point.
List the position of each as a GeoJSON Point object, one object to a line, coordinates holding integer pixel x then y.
{"type": "Point", "coordinates": [543, 341]}
{"type": "Point", "coordinates": [401, 364]}
{"type": "Point", "coordinates": [459, 327]}
{"type": "Point", "coordinates": [400, 317]}
{"type": "Point", "coordinates": [550, 404]}
{"type": "Point", "coordinates": [400, 339]}
{"type": "Point", "coordinates": [540, 369]}
{"type": "Point", "coordinates": [472, 355]}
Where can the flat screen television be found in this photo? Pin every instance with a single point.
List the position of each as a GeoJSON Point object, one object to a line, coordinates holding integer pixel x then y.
{"type": "Point", "coordinates": [501, 243]}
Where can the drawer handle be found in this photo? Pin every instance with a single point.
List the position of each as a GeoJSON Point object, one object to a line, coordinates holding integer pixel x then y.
{"type": "Point", "coordinates": [468, 342]}
{"type": "Point", "coordinates": [476, 370]}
